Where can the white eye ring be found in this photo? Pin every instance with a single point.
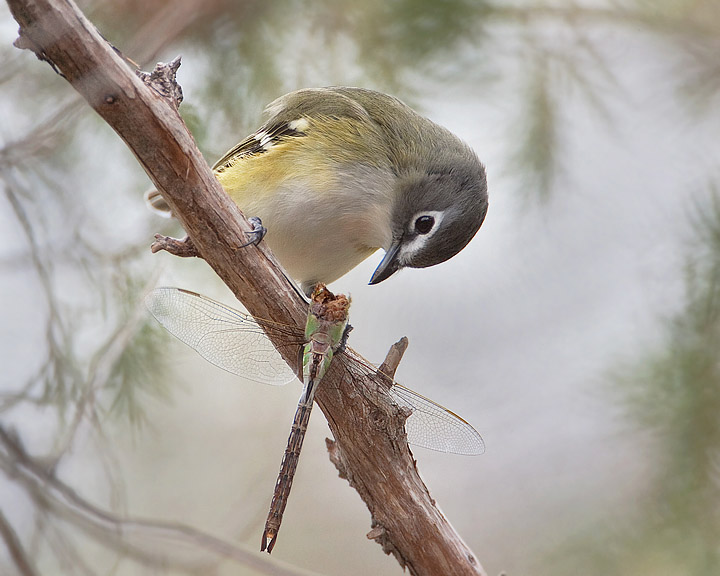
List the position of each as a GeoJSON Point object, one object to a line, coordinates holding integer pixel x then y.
{"type": "Point", "coordinates": [435, 216]}
{"type": "Point", "coordinates": [416, 240]}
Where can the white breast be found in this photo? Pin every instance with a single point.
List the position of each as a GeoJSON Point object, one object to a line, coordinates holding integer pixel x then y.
{"type": "Point", "coordinates": [319, 236]}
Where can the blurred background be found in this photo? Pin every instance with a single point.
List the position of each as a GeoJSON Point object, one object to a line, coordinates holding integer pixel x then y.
{"type": "Point", "coordinates": [579, 332]}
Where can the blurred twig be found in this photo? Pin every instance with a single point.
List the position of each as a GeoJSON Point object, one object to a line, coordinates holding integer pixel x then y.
{"type": "Point", "coordinates": [57, 368]}
{"type": "Point", "coordinates": [15, 548]}
{"type": "Point", "coordinates": [152, 543]}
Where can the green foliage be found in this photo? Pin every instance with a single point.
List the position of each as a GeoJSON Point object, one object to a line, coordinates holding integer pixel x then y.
{"type": "Point", "coordinates": [140, 371]}
{"type": "Point", "coordinates": [538, 137]}
{"type": "Point", "coordinates": [673, 395]}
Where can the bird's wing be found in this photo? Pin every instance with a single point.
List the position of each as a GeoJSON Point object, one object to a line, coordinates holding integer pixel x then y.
{"type": "Point", "coordinates": [289, 117]}
{"type": "Point", "coordinates": [266, 137]}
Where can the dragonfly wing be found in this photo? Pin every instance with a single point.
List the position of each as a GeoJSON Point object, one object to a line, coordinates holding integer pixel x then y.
{"type": "Point", "coordinates": [435, 427]}
{"type": "Point", "coordinates": [228, 338]}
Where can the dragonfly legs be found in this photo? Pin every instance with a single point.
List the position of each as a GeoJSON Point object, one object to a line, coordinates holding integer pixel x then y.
{"type": "Point", "coordinates": [344, 339]}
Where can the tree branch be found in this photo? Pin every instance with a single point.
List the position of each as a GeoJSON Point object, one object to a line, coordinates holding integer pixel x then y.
{"type": "Point", "coordinates": [371, 449]}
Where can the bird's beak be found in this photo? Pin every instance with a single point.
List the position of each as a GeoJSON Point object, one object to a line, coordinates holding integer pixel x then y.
{"type": "Point", "coordinates": [389, 265]}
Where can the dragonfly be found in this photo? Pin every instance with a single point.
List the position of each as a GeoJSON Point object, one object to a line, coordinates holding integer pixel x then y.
{"type": "Point", "coordinates": [239, 343]}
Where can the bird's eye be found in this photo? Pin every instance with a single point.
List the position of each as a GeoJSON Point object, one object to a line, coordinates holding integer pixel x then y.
{"type": "Point", "coordinates": [424, 224]}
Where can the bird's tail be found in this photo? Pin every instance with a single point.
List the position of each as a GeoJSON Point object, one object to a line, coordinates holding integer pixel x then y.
{"type": "Point", "coordinates": [156, 203]}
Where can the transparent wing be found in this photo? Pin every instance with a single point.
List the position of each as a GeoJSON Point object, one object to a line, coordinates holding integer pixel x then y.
{"type": "Point", "coordinates": [236, 342]}
{"type": "Point", "coordinates": [230, 339]}
{"type": "Point", "coordinates": [435, 427]}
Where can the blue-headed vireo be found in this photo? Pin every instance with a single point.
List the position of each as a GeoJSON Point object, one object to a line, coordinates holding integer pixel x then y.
{"type": "Point", "coordinates": [336, 173]}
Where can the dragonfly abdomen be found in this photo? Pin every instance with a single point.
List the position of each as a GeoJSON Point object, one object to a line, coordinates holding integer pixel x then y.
{"type": "Point", "coordinates": [288, 467]}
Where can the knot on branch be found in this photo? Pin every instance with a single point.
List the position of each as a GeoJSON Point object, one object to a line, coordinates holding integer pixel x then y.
{"type": "Point", "coordinates": [163, 80]}
{"type": "Point", "coordinates": [184, 248]}
{"type": "Point", "coordinates": [25, 42]}
{"type": "Point", "coordinates": [379, 533]}
{"type": "Point", "coordinates": [336, 457]}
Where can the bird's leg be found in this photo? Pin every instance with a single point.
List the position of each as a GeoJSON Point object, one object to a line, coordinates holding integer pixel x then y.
{"type": "Point", "coordinates": [184, 248]}
{"type": "Point", "coordinates": [257, 233]}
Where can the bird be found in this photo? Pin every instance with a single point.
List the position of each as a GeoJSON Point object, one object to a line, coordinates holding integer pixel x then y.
{"type": "Point", "coordinates": [336, 173]}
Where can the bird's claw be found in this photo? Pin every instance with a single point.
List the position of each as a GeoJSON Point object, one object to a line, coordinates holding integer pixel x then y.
{"type": "Point", "coordinates": [257, 233]}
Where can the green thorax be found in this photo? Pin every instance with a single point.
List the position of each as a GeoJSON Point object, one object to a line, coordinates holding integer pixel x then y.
{"type": "Point", "coordinates": [326, 323]}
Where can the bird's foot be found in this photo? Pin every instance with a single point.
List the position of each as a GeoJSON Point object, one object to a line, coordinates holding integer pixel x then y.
{"type": "Point", "coordinates": [257, 233]}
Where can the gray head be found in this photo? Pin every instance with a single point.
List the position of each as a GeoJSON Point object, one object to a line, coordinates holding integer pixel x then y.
{"type": "Point", "coordinates": [438, 210]}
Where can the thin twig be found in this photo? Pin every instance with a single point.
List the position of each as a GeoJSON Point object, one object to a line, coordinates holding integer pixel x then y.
{"type": "Point", "coordinates": [14, 546]}
{"type": "Point", "coordinates": [393, 358]}
{"type": "Point", "coordinates": [140, 537]}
